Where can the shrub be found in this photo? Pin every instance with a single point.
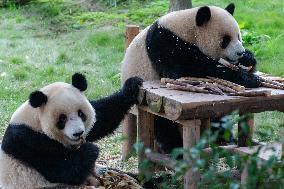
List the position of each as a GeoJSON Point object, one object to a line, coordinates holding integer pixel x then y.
{"type": "Point", "coordinates": [218, 169]}
{"type": "Point", "coordinates": [14, 2]}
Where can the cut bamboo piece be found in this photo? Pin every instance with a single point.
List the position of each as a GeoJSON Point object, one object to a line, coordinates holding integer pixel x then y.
{"type": "Point", "coordinates": [214, 88]}
{"type": "Point", "coordinates": [251, 93]}
{"type": "Point", "coordinates": [227, 84]}
{"type": "Point", "coordinates": [172, 81]}
{"type": "Point", "coordinates": [273, 86]}
{"type": "Point", "coordinates": [195, 79]}
{"type": "Point", "coordinates": [188, 87]}
{"type": "Point", "coordinates": [191, 82]}
{"type": "Point", "coordinates": [271, 82]}
{"type": "Point", "coordinates": [227, 89]}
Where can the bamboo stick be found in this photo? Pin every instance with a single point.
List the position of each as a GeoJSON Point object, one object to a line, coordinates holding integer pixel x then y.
{"type": "Point", "coordinates": [227, 84]}
{"type": "Point", "coordinates": [195, 79]}
{"type": "Point", "coordinates": [251, 93]}
{"type": "Point", "coordinates": [213, 88]}
{"type": "Point", "coordinates": [269, 85]}
{"type": "Point", "coordinates": [191, 82]}
{"type": "Point", "coordinates": [188, 87]}
{"type": "Point", "coordinates": [172, 81]}
{"type": "Point", "coordinates": [227, 89]}
{"type": "Point", "coordinates": [272, 84]}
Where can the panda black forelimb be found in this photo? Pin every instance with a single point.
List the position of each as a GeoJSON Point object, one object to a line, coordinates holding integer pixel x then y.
{"type": "Point", "coordinates": [240, 76]}
{"type": "Point", "coordinates": [111, 110]}
{"type": "Point", "coordinates": [50, 158]}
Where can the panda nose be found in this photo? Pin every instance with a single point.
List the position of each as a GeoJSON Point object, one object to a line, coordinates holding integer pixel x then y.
{"type": "Point", "coordinates": [78, 134]}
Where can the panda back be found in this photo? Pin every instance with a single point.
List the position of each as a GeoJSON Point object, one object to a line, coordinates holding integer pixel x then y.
{"type": "Point", "coordinates": [136, 61]}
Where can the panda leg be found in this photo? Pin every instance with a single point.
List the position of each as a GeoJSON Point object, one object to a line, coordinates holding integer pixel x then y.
{"type": "Point", "coordinates": [167, 135]}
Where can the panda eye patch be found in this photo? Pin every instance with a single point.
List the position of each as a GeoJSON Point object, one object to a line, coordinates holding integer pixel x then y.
{"type": "Point", "coordinates": [82, 115]}
{"type": "Point", "coordinates": [226, 41]}
{"type": "Point", "coordinates": [61, 121]}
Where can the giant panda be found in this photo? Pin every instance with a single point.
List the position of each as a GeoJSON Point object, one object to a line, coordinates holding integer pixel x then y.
{"type": "Point", "coordinates": [48, 140]}
{"type": "Point", "coordinates": [189, 43]}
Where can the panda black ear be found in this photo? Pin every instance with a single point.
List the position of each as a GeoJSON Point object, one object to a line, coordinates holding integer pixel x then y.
{"type": "Point", "coordinates": [203, 15]}
{"type": "Point", "coordinates": [231, 8]}
{"type": "Point", "coordinates": [37, 99]}
{"type": "Point", "coordinates": [79, 81]}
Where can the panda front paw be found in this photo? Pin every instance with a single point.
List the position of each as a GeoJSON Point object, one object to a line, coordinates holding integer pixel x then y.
{"type": "Point", "coordinates": [87, 153]}
{"type": "Point", "coordinates": [248, 60]}
{"type": "Point", "coordinates": [131, 87]}
{"type": "Point", "coordinates": [250, 80]}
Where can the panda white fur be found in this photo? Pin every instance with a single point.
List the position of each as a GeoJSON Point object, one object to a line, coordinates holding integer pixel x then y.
{"type": "Point", "coordinates": [47, 142]}
{"type": "Point", "coordinates": [190, 43]}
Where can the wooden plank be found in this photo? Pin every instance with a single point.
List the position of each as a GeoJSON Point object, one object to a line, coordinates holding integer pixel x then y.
{"type": "Point", "coordinates": [245, 134]}
{"type": "Point", "coordinates": [283, 139]}
{"type": "Point", "coordinates": [265, 153]}
{"type": "Point", "coordinates": [244, 177]}
{"type": "Point", "coordinates": [129, 130]}
{"type": "Point", "coordinates": [191, 110]}
{"type": "Point", "coordinates": [145, 131]}
{"type": "Point", "coordinates": [191, 135]}
{"type": "Point", "coordinates": [129, 125]}
{"type": "Point", "coordinates": [283, 149]}
{"type": "Point", "coordinates": [162, 159]}
{"type": "Point", "coordinates": [154, 102]}
{"type": "Point", "coordinates": [187, 105]}
{"type": "Point", "coordinates": [131, 32]}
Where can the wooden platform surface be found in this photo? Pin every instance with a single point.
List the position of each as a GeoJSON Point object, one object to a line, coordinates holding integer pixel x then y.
{"type": "Point", "coordinates": [188, 105]}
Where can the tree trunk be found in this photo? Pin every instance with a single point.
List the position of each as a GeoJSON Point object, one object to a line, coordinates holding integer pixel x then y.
{"type": "Point", "coordinates": [176, 5]}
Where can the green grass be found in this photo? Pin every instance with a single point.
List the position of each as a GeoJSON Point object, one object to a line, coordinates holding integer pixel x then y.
{"type": "Point", "coordinates": [48, 41]}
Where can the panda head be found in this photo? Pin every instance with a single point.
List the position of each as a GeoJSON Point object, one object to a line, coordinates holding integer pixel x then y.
{"type": "Point", "coordinates": [64, 112]}
{"type": "Point", "coordinates": [218, 34]}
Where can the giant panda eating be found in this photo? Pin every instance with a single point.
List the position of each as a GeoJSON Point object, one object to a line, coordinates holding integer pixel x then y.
{"type": "Point", "coordinates": [48, 140]}
{"type": "Point", "coordinates": [192, 43]}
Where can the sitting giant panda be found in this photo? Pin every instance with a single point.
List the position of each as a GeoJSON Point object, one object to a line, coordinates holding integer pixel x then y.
{"type": "Point", "coordinates": [47, 142]}
{"type": "Point", "coordinates": [189, 43]}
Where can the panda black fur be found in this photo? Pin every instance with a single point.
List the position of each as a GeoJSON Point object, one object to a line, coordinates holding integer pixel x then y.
{"type": "Point", "coordinates": [39, 151]}
{"type": "Point", "coordinates": [182, 52]}
{"type": "Point", "coordinates": [189, 43]}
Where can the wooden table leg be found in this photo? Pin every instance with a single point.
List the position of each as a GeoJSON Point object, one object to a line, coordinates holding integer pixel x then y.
{"type": "Point", "coordinates": [145, 131]}
{"type": "Point", "coordinates": [244, 177]}
{"type": "Point", "coordinates": [191, 135]}
{"type": "Point", "coordinates": [245, 137]}
{"type": "Point", "coordinates": [129, 130]}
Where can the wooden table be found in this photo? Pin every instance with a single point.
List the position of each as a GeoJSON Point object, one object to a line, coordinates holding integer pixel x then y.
{"type": "Point", "coordinates": [193, 112]}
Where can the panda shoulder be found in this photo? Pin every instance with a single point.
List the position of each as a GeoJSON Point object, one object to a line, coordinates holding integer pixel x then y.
{"type": "Point", "coordinates": [27, 115]}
